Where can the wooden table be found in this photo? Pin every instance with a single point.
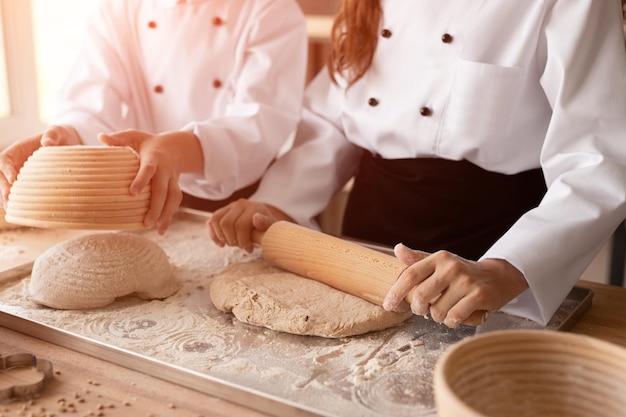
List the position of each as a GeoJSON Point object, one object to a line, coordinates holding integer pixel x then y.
{"type": "Point", "coordinates": [86, 386]}
{"type": "Point", "coordinates": [97, 388]}
{"type": "Point", "coordinates": [606, 319]}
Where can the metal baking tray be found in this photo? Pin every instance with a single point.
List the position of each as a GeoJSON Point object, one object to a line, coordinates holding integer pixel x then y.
{"type": "Point", "coordinates": [185, 340]}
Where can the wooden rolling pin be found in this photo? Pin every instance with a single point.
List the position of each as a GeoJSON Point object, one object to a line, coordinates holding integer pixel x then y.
{"type": "Point", "coordinates": [346, 266]}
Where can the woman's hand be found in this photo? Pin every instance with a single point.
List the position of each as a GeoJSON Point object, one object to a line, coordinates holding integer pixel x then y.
{"type": "Point", "coordinates": [162, 158]}
{"type": "Point", "coordinates": [233, 224]}
{"type": "Point", "coordinates": [451, 288]}
{"type": "Point", "coordinates": [12, 158]}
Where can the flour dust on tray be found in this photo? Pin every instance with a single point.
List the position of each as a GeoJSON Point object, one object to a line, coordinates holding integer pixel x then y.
{"type": "Point", "coordinates": [92, 271]}
{"type": "Point", "coordinates": [261, 294]}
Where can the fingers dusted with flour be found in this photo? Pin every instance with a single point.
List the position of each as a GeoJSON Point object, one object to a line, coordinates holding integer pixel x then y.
{"type": "Point", "coordinates": [403, 286]}
{"type": "Point", "coordinates": [233, 224]}
{"type": "Point", "coordinates": [451, 288]}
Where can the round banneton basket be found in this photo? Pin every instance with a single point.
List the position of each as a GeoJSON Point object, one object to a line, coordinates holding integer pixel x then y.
{"type": "Point", "coordinates": [531, 373]}
{"type": "Point", "coordinates": [78, 187]}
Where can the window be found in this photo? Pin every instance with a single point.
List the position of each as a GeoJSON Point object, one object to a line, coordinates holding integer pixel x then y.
{"type": "Point", "coordinates": [58, 32]}
{"type": "Point", "coordinates": [21, 93]}
{"type": "Point", "coordinates": [5, 106]}
{"type": "Point", "coordinates": [40, 41]}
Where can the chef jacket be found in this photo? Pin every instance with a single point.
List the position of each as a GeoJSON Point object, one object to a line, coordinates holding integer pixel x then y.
{"type": "Point", "coordinates": [508, 85]}
{"type": "Point", "coordinates": [230, 71]}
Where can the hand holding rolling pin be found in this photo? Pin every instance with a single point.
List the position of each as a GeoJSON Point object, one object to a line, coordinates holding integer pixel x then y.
{"type": "Point", "coordinates": [233, 224]}
{"type": "Point", "coordinates": [452, 289]}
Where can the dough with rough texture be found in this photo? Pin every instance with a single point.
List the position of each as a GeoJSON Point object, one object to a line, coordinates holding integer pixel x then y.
{"type": "Point", "coordinates": [261, 294]}
{"type": "Point", "coordinates": [93, 270]}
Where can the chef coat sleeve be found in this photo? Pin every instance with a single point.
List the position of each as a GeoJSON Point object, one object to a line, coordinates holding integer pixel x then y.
{"type": "Point", "coordinates": [583, 156]}
{"type": "Point", "coordinates": [302, 182]}
{"type": "Point", "coordinates": [93, 97]}
{"type": "Point", "coordinates": [239, 146]}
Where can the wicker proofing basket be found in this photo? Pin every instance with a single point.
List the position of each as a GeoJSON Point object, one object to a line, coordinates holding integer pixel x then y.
{"type": "Point", "coordinates": [533, 373]}
{"type": "Point", "coordinates": [78, 187]}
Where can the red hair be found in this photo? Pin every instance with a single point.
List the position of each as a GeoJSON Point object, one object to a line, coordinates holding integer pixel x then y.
{"type": "Point", "coordinates": [354, 38]}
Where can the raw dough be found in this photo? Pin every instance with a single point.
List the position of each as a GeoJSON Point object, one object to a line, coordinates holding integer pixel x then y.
{"type": "Point", "coordinates": [261, 294]}
{"type": "Point", "coordinates": [93, 270]}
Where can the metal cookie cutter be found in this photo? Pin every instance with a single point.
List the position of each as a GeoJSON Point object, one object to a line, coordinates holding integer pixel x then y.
{"type": "Point", "coordinates": [13, 388]}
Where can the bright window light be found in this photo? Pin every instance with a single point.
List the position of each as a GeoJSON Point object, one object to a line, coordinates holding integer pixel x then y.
{"type": "Point", "coordinates": [5, 103]}
{"type": "Point", "coordinates": [58, 33]}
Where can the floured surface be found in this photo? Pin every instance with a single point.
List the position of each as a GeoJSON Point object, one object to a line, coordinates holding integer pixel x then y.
{"type": "Point", "coordinates": [385, 373]}
{"type": "Point", "coordinates": [258, 293]}
{"type": "Point", "coordinates": [19, 245]}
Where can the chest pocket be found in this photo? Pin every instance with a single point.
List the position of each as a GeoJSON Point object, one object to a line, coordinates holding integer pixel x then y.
{"type": "Point", "coordinates": [480, 111]}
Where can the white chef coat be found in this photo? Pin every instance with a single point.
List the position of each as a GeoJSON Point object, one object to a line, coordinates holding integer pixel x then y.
{"type": "Point", "coordinates": [509, 85]}
{"type": "Point", "coordinates": [230, 71]}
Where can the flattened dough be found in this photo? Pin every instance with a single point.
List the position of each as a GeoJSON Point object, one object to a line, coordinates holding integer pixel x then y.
{"type": "Point", "coordinates": [261, 294]}
{"type": "Point", "coordinates": [93, 270]}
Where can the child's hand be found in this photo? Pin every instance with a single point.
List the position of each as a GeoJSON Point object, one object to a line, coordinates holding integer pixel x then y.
{"type": "Point", "coordinates": [233, 225]}
{"type": "Point", "coordinates": [13, 157]}
{"type": "Point", "coordinates": [162, 158]}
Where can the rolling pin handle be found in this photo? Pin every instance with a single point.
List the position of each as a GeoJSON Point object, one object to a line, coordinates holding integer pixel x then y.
{"type": "Point", "coordinates": [476, 318]}
{"type": "Point", "coordinates": [257, 236]}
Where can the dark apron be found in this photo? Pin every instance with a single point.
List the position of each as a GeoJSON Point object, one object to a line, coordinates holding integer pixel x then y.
{"type": "Point", "coordinates": [198, 203]}
{"type": "Point", "coordinates": [433, 204]}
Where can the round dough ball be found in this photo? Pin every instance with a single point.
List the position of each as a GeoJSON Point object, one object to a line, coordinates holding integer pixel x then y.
{"type": "Point", "coordinates": [93, 270]}
{"type": "Point", "coordinates": [261, 294]}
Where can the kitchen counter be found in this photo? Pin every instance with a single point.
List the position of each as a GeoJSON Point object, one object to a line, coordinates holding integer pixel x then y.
{"type": "Point", "coordinates": [86, 386]}
{"type": "Point", "coordinates": [105, 389]}
{"type": "Point", "coordinates": [606, 319]}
